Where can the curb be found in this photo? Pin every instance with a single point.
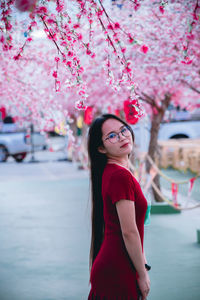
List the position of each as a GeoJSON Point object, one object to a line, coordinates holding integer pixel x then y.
{"type": "Point", "coordinates": [198, 236]}
{"type": "Point", "coordinates": [164, 209]}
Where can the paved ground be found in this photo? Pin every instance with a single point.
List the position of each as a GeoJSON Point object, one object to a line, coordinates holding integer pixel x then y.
{"type": "Point", "coordinates": [45, 232]}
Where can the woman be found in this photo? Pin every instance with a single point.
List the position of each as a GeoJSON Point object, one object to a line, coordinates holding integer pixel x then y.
{"type": "Point", "coordinates": [117, 259]}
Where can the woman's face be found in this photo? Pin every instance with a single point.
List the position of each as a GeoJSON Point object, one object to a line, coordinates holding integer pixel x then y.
{"type": "Point", "coordinates": [122, 145]}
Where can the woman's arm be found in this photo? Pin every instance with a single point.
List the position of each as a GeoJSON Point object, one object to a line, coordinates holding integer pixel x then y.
{"type": "Point", "coordinates": [126, 214]}
{"type": "Point", "coordinates": [145, 260]}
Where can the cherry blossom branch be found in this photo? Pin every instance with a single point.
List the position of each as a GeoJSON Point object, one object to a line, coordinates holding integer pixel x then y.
{"type": "Point", "coordinates": [151, 101]}
{"type": "Point", "coordinates": [45, 24]}
{"type": "Point", "coordinates": [191, 86]}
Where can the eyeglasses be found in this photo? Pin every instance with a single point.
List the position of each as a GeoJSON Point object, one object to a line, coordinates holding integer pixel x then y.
{"type": "Point", "coordinates": [114, 137]}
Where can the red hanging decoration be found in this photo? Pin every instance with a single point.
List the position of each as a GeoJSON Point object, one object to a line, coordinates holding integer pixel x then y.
{"type": "Point", "coordinates": [131, 112]}
{"type": "Point", "coordinates": [2, 112]}
{"type": "Point", "coordinates": [174, 193]}
{"type": "Point", "coordinates": [191, 184]}
{"type": "Point", "coordinates": [88, 115]}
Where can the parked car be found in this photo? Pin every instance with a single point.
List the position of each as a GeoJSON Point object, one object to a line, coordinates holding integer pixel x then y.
{"type": "Point", "coordinates": [18, 144]}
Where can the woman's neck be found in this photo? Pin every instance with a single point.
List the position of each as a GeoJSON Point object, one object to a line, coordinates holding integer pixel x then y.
{"type": "Point", "coordinates": [124, 162]}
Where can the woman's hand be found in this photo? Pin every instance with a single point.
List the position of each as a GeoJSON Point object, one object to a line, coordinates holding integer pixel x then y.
{"type": "Point", "coordinates": [144, 285]}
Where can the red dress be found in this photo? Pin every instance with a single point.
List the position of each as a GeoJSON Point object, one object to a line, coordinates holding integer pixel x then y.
{"type": "Point", "coordinates": [113, 276]}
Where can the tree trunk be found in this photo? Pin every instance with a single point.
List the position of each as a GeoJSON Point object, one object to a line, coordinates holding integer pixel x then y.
{"type": "Point", "coordinates": [153, 145]}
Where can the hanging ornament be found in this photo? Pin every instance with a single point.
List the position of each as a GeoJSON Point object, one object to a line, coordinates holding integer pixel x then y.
{"type": "Point", "coordinates": [88, 115]}
{"type": "Point", "coordinates": [190, 186]}
{"type": "Point", "coordinates": [174, 193]}
{"type": "Point", "coordinates": [131, 111]}
{"type": "Point", "coordinates": [2, 113]}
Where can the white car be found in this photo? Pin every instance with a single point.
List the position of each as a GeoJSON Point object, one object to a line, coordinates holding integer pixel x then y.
{"type": "Point", "coordinates": [18, 144]}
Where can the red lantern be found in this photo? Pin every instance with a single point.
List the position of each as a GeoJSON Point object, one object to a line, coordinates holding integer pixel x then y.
{"type": "Point", "coordinates": [88, 115]}
{"type": "Point", "coordinates": [131, 113]}
{"type": "Point", "coordinates": [2, 112]}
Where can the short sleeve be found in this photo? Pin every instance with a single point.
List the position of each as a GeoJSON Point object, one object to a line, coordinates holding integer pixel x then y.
{"type": "Point", "coordinates": [121, 186]}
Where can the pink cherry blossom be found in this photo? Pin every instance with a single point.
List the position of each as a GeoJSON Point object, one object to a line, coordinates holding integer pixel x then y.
{"type": "Point", "coordinates": [55, 74]}
{"type": "Point", "coordinates": [144, 49]}
{"type": "Point", "coordinates": [161, 9]}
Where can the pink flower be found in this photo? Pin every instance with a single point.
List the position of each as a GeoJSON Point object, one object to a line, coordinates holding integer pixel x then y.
{"type": "Point", "coordinates": [29, 39]}
{"type": "Point", "coordinates": [110, 27]}
{"type": "Point", "coordinates": [161, 9]}
{"type": "Point", "coordinates": [108, 64]}
{"type": "Point", "coordinates": [33, 23]}
{"type": "Point", "coordinates": [144, 49]}
{"type": "Point", "coordinates": [63, 43]}
{"type": "Point", "coordinates": [137, 5]}
{"type": "Point", "coordinates": [81, 70]}
{"type": "Point", "coordinates": [127, 69]}
{"type": "Point", "coordinates": [57, 59]}
{"type": "Point", "coordinates": [2, 39]}
{"type": "Point", "coordinates": [5, 47]}
{"type": "Point", "coordinates": [195, 17]}
{"type": "Point", "coordinates": [117, 25]}
{"type": "Point", "coordinates": [187, 61]}
{"type": "Point", "coordinates": [80, 105]}
{"type": "Point", "coordinates": [50, 21]}
{"type": "Point", "coordinates": [8, 26]}
{"type": "Point", "coordinates": [123, 50]}
{"type": "Point", "coordinates": [17, 57]}
{"type": "Point", "coordinates": [79, 36]}
{"type": "Point", "coordinates": [42, 10]}
{"type": "Point", "coordinates": [190, 36]}
{"type": "Point", "coordinates": [60, 7]}
{"type": "Point", "coordinates": [55, 74]}
{"type": "Point", "coordinates": [99, 12]}
{"type": "Point", "coordinates": [81, 92]}
{"type": "Point", "coordinates": [131, 40]}
{"type": "Point", "coordinates": [76, 26]}
{"type": "Point", "coordinates": [88, 52]}
{"type": "Point", "coordinates": [69, 64]}
{"type": "Point", "coordinates": [57, 85]}
{"type": "Point", "coordinates": [70, 53]}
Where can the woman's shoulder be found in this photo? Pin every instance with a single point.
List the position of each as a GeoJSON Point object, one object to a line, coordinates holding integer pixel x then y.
{"type": "Point", "coordinates": [118, 172]}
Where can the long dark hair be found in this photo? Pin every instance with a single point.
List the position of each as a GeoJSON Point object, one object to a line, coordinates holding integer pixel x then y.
{"type": "Point", "coordinates": [97, 162]}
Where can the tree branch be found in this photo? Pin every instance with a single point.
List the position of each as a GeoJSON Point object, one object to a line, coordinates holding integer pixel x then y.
{"type": "Point", "coordinates": [191, 86]}
{"type": "Point", "coordinates": [149, 100]}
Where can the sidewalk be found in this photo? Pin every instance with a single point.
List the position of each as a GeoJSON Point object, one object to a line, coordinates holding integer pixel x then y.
{"type": "Point", "coordinates": [172, 250]}
{"type": "Point", "coordinates": [45, 236]}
